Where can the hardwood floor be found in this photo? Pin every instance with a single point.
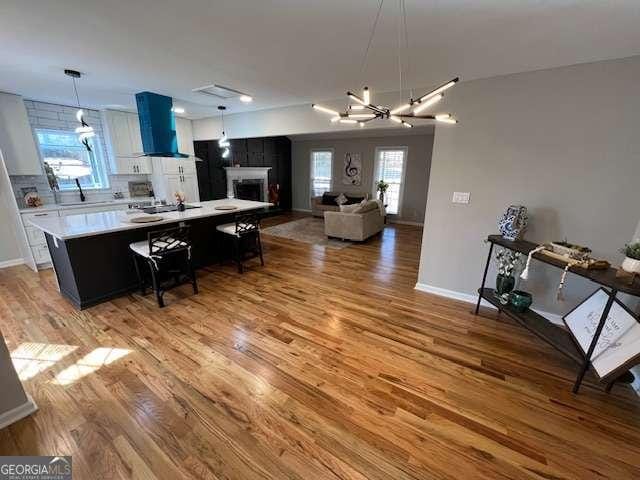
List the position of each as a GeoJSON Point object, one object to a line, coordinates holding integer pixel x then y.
{"type": "Point", "coordinates": [325, 364]}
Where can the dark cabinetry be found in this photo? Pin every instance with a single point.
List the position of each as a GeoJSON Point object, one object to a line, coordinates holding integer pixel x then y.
{"type": "Point", "coordinates": [274, 152]}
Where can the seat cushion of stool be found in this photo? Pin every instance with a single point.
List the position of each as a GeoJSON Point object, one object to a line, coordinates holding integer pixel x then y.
{"type": "Point", "coordinates": [142, 247]}
{"type": "Point", "coordinates": [228, 228]}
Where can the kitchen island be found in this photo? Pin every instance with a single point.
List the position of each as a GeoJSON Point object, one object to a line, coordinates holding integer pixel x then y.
{"type": "Point", "coordinates": [91, 256]}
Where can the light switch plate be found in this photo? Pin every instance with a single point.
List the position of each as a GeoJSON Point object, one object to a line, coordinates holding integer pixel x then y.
{"type": "Point", "coordinates": [461, 197]}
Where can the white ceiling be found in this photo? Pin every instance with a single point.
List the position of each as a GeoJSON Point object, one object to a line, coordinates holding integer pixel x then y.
{"type": "Point", "coordinates": [287, 52]}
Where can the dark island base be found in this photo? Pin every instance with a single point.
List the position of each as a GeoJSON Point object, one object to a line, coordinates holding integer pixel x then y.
{"type": "Point", "coordinates": [93, 269]}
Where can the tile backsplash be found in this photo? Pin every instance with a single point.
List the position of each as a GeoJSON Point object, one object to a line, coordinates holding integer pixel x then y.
{"type": "Point", "coordinates": [61, 117]}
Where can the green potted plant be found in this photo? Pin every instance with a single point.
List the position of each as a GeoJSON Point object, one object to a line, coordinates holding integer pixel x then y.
{"type": "Point", "coordinates": [381, 188]}
{"type": "Point", "coordinates": [631, 263]}
{"type": "Point", "coordinates": [507, 261]}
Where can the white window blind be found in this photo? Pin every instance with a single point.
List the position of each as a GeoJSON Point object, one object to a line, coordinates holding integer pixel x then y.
{"type": "Point", "coordinates": [390, 168]}
{"type": "Point", "coordinates": [321, 163]}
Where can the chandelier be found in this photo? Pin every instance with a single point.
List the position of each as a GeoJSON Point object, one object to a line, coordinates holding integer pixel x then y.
{"type": "Point", "coordinates": [360, 109]}
{"type": "Point", "coordinates": [84, 131]}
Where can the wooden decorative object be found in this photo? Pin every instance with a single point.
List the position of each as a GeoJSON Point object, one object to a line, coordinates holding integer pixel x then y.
{"type": "Point", "coordinates": [146, 219]}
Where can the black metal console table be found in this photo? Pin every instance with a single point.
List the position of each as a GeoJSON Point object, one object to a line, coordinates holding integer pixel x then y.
{"type": "Point", "coordinates": [561, 339]}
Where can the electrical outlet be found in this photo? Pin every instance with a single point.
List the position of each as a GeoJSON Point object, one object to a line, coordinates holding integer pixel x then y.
{"type": "Point", "coordinates": [461, 197]}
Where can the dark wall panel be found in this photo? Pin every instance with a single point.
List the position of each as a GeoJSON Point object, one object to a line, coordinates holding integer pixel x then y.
{"type": "Point", "coordinates": [274, 152]}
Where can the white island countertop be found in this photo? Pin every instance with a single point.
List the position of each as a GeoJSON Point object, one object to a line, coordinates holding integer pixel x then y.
{"type": "Point", "coordinates": [89, 224]}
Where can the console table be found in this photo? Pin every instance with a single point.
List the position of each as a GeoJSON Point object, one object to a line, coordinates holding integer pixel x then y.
{"type": "Point", "coordinates": [559, 338]}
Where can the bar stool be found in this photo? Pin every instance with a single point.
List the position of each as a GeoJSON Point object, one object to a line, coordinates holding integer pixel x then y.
{"type": "Point", "coordinates": [245, 235]}
{"type": "Point", "coordinates": [168, 254]}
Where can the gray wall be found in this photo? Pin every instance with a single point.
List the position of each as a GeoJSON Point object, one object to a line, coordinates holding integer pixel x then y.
{"type": "Point", "coordinates": [416, 178]}
{"type": "Point", "coordinates": [564, 142]}
{"type": "Point", "coordinates": [9, 248]}
{"type": "Point", "coordinates": [12, 392]}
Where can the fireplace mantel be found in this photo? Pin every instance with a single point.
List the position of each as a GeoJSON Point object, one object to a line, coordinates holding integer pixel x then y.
{"type": "Point", "coordinates": [242, 173]}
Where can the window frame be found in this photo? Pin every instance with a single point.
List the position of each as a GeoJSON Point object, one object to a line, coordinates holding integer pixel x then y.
{"type": "Point", "coordinates": [311, 169]}
{"type": "Point", "coordinates": [97, 151]}
{"type": "Point", "coordinates": [376, 173]}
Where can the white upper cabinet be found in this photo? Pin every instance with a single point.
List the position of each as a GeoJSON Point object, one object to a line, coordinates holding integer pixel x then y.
{"type": "Point", "coordinates": [172, 175]}
{"type": "Point", "coordinates": [134, 130]}
{"type": "Point", "coordinates": [16, 137]}
{"type": "Point", "coordinates": [124, 143]}
{"type": "Point", "coordinates": [123, 133]}
{"type": "Point", "coordinates": [184, 133]}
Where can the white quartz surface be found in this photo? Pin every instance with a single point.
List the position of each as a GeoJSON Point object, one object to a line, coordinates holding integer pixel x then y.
{"type": "Point", "coordinates": [88, 224]}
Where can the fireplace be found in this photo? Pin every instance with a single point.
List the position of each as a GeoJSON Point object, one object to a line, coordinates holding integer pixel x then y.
{"type": "Point", "coordinates": [249, 189]}
{"type": "Point", "coordinates": [248, 183]}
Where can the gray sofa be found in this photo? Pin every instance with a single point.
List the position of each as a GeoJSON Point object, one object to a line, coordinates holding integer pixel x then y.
{"type": "Point", "coordinates": [318, 208]}
{"type": "Point", "coordinates": [357, 226]}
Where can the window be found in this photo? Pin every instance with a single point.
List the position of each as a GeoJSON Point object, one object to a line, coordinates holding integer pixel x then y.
{"type": "Point", "coordinates": [321, 162]}
{"type": "Point", "coordinates": [69, 159]}
{"type": "Point", "coordinates": [390, 168]}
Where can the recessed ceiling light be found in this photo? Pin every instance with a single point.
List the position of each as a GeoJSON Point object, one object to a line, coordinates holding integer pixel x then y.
{"type": "Point", "coordinates": [178, 110]}
{"type": "Point", "coordinates": [246, 98]}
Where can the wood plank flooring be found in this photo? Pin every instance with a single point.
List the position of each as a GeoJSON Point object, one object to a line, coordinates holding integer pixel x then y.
{"type": "Point", "coordinates": [325, 364]}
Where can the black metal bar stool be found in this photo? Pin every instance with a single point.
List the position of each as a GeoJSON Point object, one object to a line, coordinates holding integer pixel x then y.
{"type": "Point", "coordinates": [168, 255]}
{"type": "Point", "coordinates": [245, 236]}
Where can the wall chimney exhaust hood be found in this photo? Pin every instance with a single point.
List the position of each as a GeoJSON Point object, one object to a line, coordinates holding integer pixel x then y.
{"type": "Point", "coordinates": [157, 125]}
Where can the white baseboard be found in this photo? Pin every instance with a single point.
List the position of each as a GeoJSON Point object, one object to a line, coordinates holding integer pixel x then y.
{"type": "Point", "coordinates": [466, 297]}
{"type": "Point", "coordinates": [18, 413]}
{"type": "Point", "coordinates": [305, 210]}
{"type": "Point", "coordinates": [11, 263]}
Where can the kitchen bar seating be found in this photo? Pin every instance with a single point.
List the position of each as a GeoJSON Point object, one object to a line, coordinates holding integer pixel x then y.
{"type": "Point", "coordinates": [168, 255]}
{"type": "Point", "coordinates": [245, 236]}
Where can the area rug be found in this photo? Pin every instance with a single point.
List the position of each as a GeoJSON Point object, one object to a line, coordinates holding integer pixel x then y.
{"type": "Point", "coordinates": [308, 230]}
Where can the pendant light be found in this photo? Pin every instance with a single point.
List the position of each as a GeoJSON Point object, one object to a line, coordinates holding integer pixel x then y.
{"type": "Point", "coordinates": [224, 141]}
{"type": "Point", "coordinates": [410, 110]}
{"type": "Point", "coordinates": [84, 131]}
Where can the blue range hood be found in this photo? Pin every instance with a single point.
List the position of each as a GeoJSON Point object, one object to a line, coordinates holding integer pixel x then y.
{"type": "Point", "coordinates": [157, 125]}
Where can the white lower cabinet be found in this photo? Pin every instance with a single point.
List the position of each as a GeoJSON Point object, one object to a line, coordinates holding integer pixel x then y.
{"type": "Point", "coordinates": [36, 238]}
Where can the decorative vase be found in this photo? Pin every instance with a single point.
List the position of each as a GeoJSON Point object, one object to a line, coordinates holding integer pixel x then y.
{"type": "Point", "coordinates": [181, 207]}
{"type": "Point", "coordinates": [631, 265]}
{"type": "Point", "coordinates": [504, 284]}
{"type": "Point", "coordinates": [520, 300]}
{"type": "Point", "coordinates": [513, 222]}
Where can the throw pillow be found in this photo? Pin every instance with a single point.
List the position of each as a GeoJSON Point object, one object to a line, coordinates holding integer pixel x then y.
{"type": "Point", "coordinates": [351, 200]}
{"type": "Point", "coordinates": [329, 199]}
{"type": "Point", "coordinates": [342, 199]}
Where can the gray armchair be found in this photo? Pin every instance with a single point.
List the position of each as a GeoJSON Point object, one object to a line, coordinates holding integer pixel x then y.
{"type": "Point", "coordinates": [357, 226]}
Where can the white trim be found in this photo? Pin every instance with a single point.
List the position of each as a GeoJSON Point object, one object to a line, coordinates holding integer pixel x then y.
{"type": "Point", "coordinates": [311, 152]}
{"type": "Point", "coordinates": [468, 298]}
{"type": "Point", "coordinates": [11, 263]}
{"type": "Point", "coordinates": [405, 222]}
{"type": "Point", "coordinates": [305, 210]}
{"type": "Point", "coordinates": [18, 413]}
{"type": "Point", "coordinates": [405, 159]}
